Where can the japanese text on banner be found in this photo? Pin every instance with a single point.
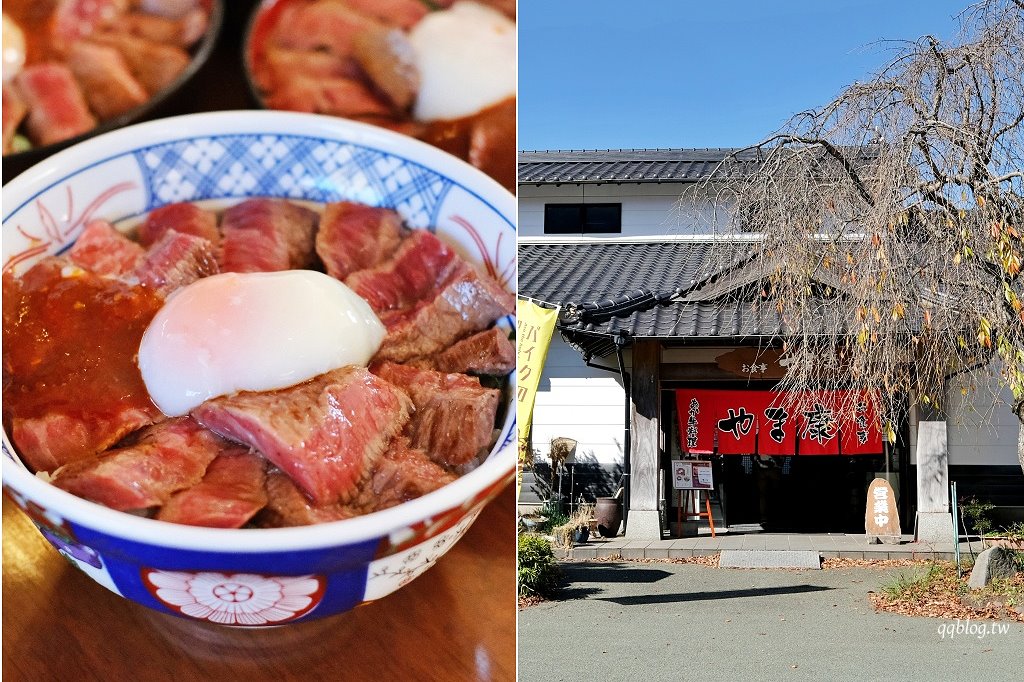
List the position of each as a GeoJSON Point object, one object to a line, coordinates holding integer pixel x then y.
{"type": "Point", "coordinates": [534, 327]}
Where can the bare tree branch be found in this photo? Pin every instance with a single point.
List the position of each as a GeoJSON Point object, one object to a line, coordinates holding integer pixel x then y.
{"type": "Point", "coordinates": [890, 223]}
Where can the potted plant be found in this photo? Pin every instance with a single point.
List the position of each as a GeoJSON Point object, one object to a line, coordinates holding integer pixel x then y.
{"type": "Point", "coordinates": [577, 529]}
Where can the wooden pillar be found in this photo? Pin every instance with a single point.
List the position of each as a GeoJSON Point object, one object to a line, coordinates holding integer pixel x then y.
{"type": "Point", "coordinates": [644, 520]}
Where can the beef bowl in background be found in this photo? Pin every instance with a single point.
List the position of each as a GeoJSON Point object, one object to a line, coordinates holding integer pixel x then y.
{"type": "Point", "coordinates": [160, 100]}
{"type": "Point", "coordinates": [442, 71]}
{"type": "Point", "coordinates": [259, 576]}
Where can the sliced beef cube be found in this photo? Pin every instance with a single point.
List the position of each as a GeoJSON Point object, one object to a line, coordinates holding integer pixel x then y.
{"type": "Point", "coordinates": [74, 19]}
{"type": "Point", "coordinates": [345, 97]}
{"type": "Point", "coordinates": [288, 506]}
{"type": "Point", "coordinates": [281, 65]}
{"type": "Point", "coordinates": [105, 251]}
{"type": "Point", "coordinates": [492, 146]}
{"type": "Point", "coordinates": [326, 25]}
{"type": "Point", "coordinates": [267, 235]}
{"type": "Point", "coordinates": [326, 433]}
{"type": "Point", "coordinates": [56, 108]}
{"type": "Point", "coordinates": [154, 65]}
{"type": "Point", "coordinates": [175, 261]}
{"type": "Point", "coordinates": [108, 85]}
{"type": "Point", "coordinates": [467, 303]}
{"type": "Point", "coordinates": [414, 272]}
{"type": "Point", "coordinates": [186, 218]}
{"type": "Point", "coordinates": [454, 416]}
{"type": "Point", "coordinates": [59, 437]}
{"type": "Point", "coordinates": [13, 112]}
{"type": "Point", "coordinates": [389, 60]}
{"type": "Point", "coordinates": [169, 456]}
{"type": "Point", "coordinates": [232, 491]}
{"type": "Point", "coordinates": [402, 474]}
{"type": "Point", "coordinates": [489, 352]}
{"type": "Point", "coordinates": [355, 237]}
{"type": "Point", "coordinates": [183, 32]}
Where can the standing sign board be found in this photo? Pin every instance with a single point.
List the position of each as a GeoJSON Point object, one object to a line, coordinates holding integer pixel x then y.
{"type": "Point", "coordinates": [690, 475]}
{"type": "Point", "coordinates": [881, 518]}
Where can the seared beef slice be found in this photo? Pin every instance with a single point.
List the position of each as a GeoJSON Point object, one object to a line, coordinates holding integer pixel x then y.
{"type": "Point", "coordinates": [56, 106]}
{"type": "Point", "coordinates": [288, 506]}
{"type": "Point", "coordinates": [489, 352]}
{"type": "Point", "coordinates": [402, 474]}
{"type": "Point", "coordinates": [185, 218]}
{"type": "Point", "coordinates": [170, 456]}
{"type": "Point", "coordinates": [175, 261]}
{"type": "Point", "coordinates": [326, 433]}
{"type": "Point", "coordinates": [420, 265]}
{"type": "Point", "coordinates": [230, 494]}
{"type": "Point", "coordinates": [454, 416]}
{"type": "Point", "coordinates": [267, 235]}
{"type": "Point", "coordinates": [106, 81]}
{"type": "Point", "coordinates": [105, 251]}
{"type": "Point", "coordinates": [467, 303]}
{"type": "Point", "coordinates": [355, 237]}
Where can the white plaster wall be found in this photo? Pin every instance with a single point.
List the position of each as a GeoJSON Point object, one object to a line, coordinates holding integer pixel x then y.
{"type": "Point", "coordinates": [648, 209]}
{"type": "Point", "coordinates": [982, 429]}
{"type": "Point", "coordinates": [579, 402]}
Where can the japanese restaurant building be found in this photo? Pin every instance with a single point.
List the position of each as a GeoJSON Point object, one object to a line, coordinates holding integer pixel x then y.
{"type": "Point", "coordinates": [651, 362]}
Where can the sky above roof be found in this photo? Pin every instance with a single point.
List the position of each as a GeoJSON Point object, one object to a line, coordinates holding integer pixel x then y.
{"type": "Point", "coordinates": [603, 74]}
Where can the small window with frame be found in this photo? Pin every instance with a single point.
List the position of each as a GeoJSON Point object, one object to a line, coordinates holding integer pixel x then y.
{"type": "Point", "coordinates": [582, 219]}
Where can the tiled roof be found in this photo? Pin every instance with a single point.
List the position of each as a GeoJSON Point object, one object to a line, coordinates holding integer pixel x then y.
{"type": "Point", "coordinates": [640, 288]}
{"type": "Point", "coordinates": [629, 165]}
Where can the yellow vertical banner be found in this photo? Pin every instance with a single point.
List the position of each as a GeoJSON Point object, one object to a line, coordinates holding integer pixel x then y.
{"type": "Point", "coordinates": [534, 327]}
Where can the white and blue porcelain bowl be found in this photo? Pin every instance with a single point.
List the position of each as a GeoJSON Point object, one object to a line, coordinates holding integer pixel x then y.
{"type": "Point", "coordinates": [258, 577]}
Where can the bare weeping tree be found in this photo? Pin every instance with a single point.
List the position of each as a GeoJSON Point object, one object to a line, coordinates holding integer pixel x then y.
{"type": "Point", "coordinates": [885, 229]}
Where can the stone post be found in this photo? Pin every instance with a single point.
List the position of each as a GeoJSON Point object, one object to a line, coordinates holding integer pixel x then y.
{"type": "Point", "coordinates": [934, 521]}
{"type": "Point", "coordinates": [644, 520]}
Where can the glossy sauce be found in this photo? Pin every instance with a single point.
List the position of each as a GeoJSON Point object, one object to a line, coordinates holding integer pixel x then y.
{"type": "Point", "coordinates": [70, 343]}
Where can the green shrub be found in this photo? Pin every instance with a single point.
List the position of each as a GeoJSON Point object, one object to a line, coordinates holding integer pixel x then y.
{"type": "Point", "coordinates": [551, 521]}
{"type": "Point", "coordinates": [538, 570]}
{"type": "Point", "coordinates": [975, 514]}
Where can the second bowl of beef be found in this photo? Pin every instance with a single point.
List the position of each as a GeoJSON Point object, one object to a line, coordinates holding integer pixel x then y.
{"type": "Point", "coordinates": [444, 72]}
{"type": "Point", "coordinates": [78, 68]}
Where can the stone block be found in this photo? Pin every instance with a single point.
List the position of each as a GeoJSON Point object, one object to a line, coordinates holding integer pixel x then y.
{"type": "Point", "coordinates": [991, 564]}
{"type": "Point", "coordinates": [644, 524]}
{"type": "Point", "coordinates": [935, 527]}
{"type": "Point", "coordinates": [757, 558]}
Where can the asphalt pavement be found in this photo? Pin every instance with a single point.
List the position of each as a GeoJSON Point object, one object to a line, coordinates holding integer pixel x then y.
{"type": "Point", "coordinates": [662, 621]}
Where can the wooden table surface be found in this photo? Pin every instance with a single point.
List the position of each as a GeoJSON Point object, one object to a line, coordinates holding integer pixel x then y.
{"type": "Point", "coordinates": [455, 622]}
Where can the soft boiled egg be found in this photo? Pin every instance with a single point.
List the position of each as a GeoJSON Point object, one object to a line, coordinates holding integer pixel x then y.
{"type": "Point", "coordinates": [466, 58]}
{"type": "Point", "coordinates": [253, 332]}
